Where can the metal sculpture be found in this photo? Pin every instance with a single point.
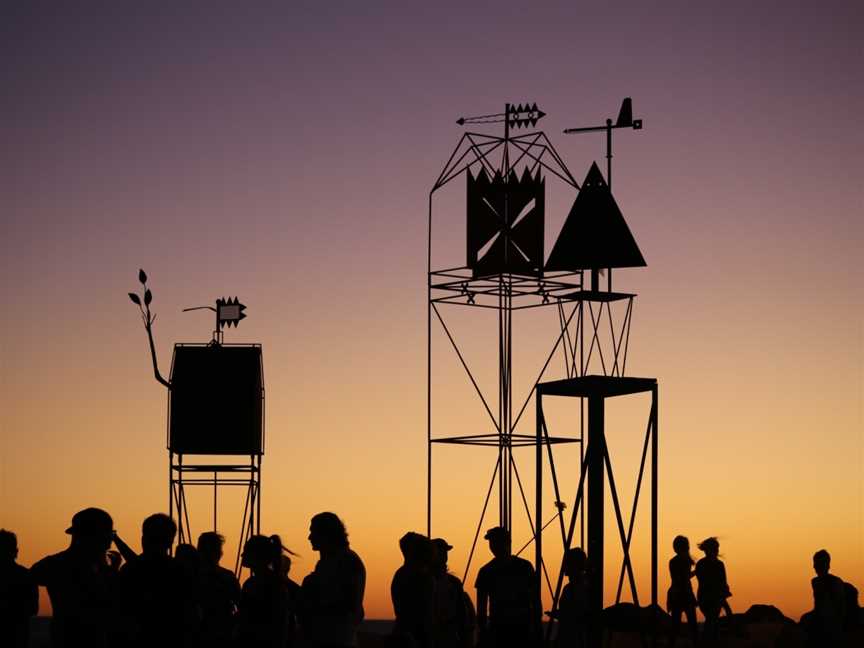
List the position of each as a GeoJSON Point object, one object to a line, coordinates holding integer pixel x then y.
{"type": "Point", "coordinates": [505, 271]}
{"type": "Point", "coordinates": [215, 410]}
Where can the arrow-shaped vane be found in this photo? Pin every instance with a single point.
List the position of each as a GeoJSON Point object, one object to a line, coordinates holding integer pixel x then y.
{"type": "Point", "coordinates": [514, 115]}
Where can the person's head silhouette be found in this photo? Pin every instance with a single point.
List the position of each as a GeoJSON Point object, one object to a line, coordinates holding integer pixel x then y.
{"type": "Point", "coordinates": [157, 535]}
{"type": "Point", "coordinates": [710, 547]}
{"type": "Point", "coordinates": [821, 562]}
{"type": "Point", "coordinates": [92, 532]}
{"type": "Point", "coordinates": [681, 546]}
{"type": "Point", "coordinates": [186, 554]}
{"type": "Point", "coordinates": [411, 545]}
{"type": "Point", "coordinates": [574, 562]}
{"type": "Point", "coordinates": [210, 546]}
{"type": "Point", "coordinates": [499, 541]}
{"type": "Point", "coordinates": [262, 553]}
{"type": "Point", "coordinates": [8, 546]}
{"type": "Point", "coordinates": [327, 532]}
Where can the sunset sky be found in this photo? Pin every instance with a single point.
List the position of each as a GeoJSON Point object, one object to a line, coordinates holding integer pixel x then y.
{"type": "Point", "coordinates": [283, 152]}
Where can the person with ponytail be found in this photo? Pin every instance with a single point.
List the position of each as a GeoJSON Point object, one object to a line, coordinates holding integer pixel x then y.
{"type": "Point", "coordinates": [713, 587]}
{"type": "Point", "coordinates": [292, 596]}
{"type": "Point", "coordinates": [263, 600]}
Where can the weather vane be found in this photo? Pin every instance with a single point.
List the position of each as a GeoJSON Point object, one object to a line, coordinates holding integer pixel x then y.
{"type": "Point", "coordinates": [625, 120]}
{"type": "Point", "coordinates": [514, 116]}
{"type": "Point", "coordinates": [228, 311]}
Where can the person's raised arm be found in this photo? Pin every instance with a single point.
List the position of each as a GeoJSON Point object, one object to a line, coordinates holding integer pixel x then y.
{"type": "Point", "coordinates": [125, 550]}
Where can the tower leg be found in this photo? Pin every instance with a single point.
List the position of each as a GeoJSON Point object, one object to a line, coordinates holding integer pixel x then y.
{"type": "Point", "coordinates": [654, 503]}
{"type": "Point", "coordinates": [596, 492]}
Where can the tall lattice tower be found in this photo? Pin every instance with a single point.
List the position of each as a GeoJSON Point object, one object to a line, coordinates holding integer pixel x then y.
{"type": "Point", "coordinates": [506, 271]}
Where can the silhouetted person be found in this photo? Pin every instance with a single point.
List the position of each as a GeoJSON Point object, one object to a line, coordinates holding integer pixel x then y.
{"type": "Point", "coordinates": [263, 605]}
{"type": "Point", "coordinates": [824, 626]}
{"type": "Point", "coordinates": [454, 612]}
{"type": "Point", "coordinates": [19, 595]}
{"type": "Point", "coordinates": [80, 583]}
{"type": "Point", "coordinates": [680, 598]}
{"type": "Point", "coordinates": [292, 600]}
{"type": "Point", "coordinates": [572, 611]}
{"type": "Point", "coordinates": [332, 595]}
{"type": "Point", "coordinates": [412, 592]}
{"type": "Point", "coordinates": [219, 593]}
{"type": "Point", "coordinates": [152, 588]}
{"type": "Point", "coordinates": [508, 603]}
{"type": "Point", "coordinates": [713, 587]}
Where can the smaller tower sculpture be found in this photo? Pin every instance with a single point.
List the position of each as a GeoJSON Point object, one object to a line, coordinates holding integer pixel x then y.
{"type": "Point", "coordinates": [215, 417]}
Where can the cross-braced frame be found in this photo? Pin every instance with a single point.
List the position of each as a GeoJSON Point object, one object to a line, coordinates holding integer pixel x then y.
{"type": "Point", "coordinates": [505, 274]}
{"type": "Point", "coordinates": [182, 476]}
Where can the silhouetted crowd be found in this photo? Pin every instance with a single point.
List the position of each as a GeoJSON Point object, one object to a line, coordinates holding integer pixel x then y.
{"type": "Point", "coordinates": [106, 598]}
{"type": "Point", "coordinates": [835, 603]}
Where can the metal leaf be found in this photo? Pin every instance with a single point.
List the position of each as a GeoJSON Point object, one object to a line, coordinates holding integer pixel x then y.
{"type": "Point", "coordinates": [142, 276]}
{"type": "Point", "coordinates": [135, 298]}
{"type": "Point", "coordinates": [148, 297]}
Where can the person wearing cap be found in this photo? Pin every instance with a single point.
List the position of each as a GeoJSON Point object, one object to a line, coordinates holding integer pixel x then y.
{"type": "Point", "coordinates": [454, 612]}
{"type": "Point", "coordinates": [80, 583]}
{"type": "Point", "coordinates": [508, 603]}
{"type": "Point", "coordinates": [19, 597]}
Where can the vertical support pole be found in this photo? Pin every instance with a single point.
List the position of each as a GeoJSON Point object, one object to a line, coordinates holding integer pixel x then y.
{"type": "Point", "coordinates": [538, 514]}
{"type": "Point", "coordinates": [596, 493]}
{"type": "Point", "coordinates": [181, 500]}
{"type": "Point", "coordinates": [505, 158]}
{"type": "Point", "coordinates": [583, 370]}
{"type": "Point", "coordinates": [505, 389]}
{"type": "Point", "coordinates": [609, 153]}
{"type": "Point", "coordinates": [508, 408]}
{"type": "Point", "coordinates": [654, 493]}
{"type": "Point", "coordinates": [258, 494]}
{"type": "Point", "coordinates": [215, 501]}
{"type": "Point", "coordinates": [171, 484]}
{"type": "Point", "coordinates": [429, 372]}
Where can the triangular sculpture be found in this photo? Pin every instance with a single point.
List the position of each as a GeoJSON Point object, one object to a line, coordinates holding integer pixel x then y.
{"type": "Point", "coordinates": [595, 234]}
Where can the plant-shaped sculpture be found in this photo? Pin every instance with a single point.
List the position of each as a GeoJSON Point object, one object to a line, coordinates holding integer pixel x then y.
{"type": "Point", "coordinates": [148, 318]}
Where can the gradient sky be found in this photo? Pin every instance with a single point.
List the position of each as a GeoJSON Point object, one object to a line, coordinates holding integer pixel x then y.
{"type": "Point", "coordinates": [284, 153]}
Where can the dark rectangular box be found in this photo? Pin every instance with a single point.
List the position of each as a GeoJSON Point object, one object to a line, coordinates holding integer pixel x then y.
{"type": "Point", "coordinates": [216, 402]}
